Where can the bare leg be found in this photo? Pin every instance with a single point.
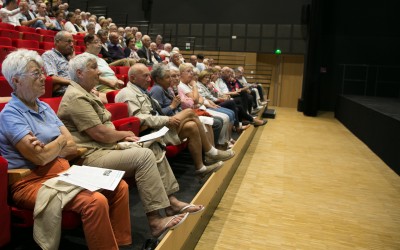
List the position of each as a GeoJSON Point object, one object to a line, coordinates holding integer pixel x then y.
{"type": "Point", "coordinates": [190, 131]}
{"type": "Point", "coordinates": [177, 205]}
{"type": "Point", "coordinates": [158, 223]}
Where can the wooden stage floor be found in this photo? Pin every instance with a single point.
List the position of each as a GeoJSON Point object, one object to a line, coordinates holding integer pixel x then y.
{"type": "Point", "coordinates": [307, 183]}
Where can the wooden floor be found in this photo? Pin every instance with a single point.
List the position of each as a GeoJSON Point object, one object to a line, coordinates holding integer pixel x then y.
{"type": "Point", "coordinates": [307, 183]}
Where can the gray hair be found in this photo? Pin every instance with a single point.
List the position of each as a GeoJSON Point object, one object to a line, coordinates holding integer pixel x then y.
{"type": "Point", "coordinates": [79, 62]}
{"type": "Point", "coordinates": [60, 35]}
{"type": "Point", "coordinates": [159, 71]}
{"type": "Point", "coordinates": [173, 53]}
{"type": "Point", "coordinates": [90, 25]}
{"type": "Point", "coordinates": [16, 62]}
{"type": "Point", "coordinates": [133, 69]}
{"type": "Point", "coordinates": [185, 66]}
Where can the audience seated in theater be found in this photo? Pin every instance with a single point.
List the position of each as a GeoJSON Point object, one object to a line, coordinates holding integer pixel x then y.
{"type": "Point", "coordinates": [56, 61]}
{"type": "Point", "coordinates": [108, 80]}
{"type": "Point", "coordinates": [257, 88]}
{"type": "Point", "coordinates": [228, 107]}
{"type": "Point", "coordinates": [130, 50]}
{"type": "Point", "coordinates": [11, 12]}
{"type": "Point", "coordinates": [240, 98]}
{"type": "Point", "coordinates": [84, 17]}
{"type": "Point", "coordinates": [138, 38]}
{"type": "Point", "coordinates": [117, 52]}
{"type": "Point", "coordinates": [104, 23]}
{"type": "Point", "coordinates": [106, 55]}
{"type": "Point", "coordinates": [174, 60]}
{"type": "Point", "coordinates": [58, 21]}
{"type": "Point", "coordinates": [156, 57]}
{"type": "Point", "coordinates": [128, 34]}
{"type": "Point", "coordinates": [182, 125]}
{"type": "Point", "coordinates": [70, 25]}
{"type": "Point", "coordinates": [78, 24]}
{"type": "Point", "coordinates": [200, 65]}
{"type": "Point", "coordinates": [33, 137]}
{"type": "Point", "coordinates": [89, 122]}
{"type": "Point", "coordinates": [165, 53]}
{"type": "Point", "coordinates": [223, 101]}
{"type": "Point", "coordinates": [29, 19]}
{"type": "Point", "coordinates": [190, 98]}
{"type": "Point", "coordinates": [245, 93]}
{"type": "Point", "coordinates": [46, 19]}
{"type": "Point", "coordinates": [91, 28]}
{"type": "Point", "coordinates": [121, 37]}
{"type": "Point", "coordinates": [147, 53]}
{"type": "Point", "coordinates": [159, 42]}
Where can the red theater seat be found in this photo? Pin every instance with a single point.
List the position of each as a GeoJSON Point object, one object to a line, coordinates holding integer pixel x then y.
{"type": "Point", "coordinates": [31, 36]}
{"type": "Point", "coordinates": [4, 51]}
{"type": "Point", "coordinates": [5, 41]}
{"type": "Point", "coordinates": [46, 45]}
{"type": "Point", "coordinates": [7, 26]}
{"type": "Point", "coordinates": [9, 33]}
{"type": "Point", "coordinates": [5, 215]}
{"type": "Point", "coordinates": [46, 32]}
{"type": "Point", "coordinates": [27, 44]}
{"type": "Point", "coordinates": [46, 38]}
{"type": "Point", "coordinates": [117, 110]}
{"type": "Point", "coordinates": [25, 29]}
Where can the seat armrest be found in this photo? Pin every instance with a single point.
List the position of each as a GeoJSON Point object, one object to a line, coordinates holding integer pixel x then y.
{"type": "Point", "coordinates": [15, 175]}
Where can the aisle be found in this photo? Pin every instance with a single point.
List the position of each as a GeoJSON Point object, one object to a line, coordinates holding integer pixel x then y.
{"type": "Point", "coordinates": [307, 183]}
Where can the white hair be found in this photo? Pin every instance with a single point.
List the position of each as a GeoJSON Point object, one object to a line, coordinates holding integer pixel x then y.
{"type": "Point", "coordinates": [16, 62]}
{"type": "Point", "coordinates": [79, 62]}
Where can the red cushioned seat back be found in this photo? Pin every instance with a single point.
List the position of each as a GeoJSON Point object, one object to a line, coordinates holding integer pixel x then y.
{"type": "Point", "coordinates": [111, 96]}
{"type": "Point", "coordinates": [117, 110]}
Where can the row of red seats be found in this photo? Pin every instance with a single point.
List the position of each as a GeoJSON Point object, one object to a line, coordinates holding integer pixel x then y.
{"type": "Point", "coordinates": [5, 89]}
{"type": "Point", "coordinates": [8, 26]}
{"type": "Point", "coordinates": [13, 34]}
{"type": "Point", "coordinates": [22, 29]}
{"type": "Point", "coordinates": [10, 215]}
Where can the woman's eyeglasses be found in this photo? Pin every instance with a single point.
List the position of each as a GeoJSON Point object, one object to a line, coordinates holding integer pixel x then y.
{"type": "Point", "coordinates": [35, 74]}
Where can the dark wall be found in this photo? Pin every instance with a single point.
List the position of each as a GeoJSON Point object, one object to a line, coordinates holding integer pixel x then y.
{"type": "Point", "coordinates": [362, 36]}
{"type": "Point", "coordinates": [257, 25]}
{"type": "Point", "coordinates": [228, 11]}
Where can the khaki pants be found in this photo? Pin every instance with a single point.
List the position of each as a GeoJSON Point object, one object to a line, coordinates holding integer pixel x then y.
{"type": "Point", "coordinates": [105, 216]}
{"type": "Point", "coordinates": [154, 182]}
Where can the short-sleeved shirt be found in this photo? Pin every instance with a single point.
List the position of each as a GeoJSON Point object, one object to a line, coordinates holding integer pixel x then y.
{"type": "Point", "coordinates": [221, 85]}
{"type": "Point", "coordinates": [106, 72]}
{"type": "Point", "coordinates": [205, 92]}
{"type": "Point", "coordinates": [17, 120]}
{"type": "Point", "coordinates": [56, 64]}
{"type": "Point", "coordinates": [164, 98]}
{"type": "Point", "coordinates": [80, 110]}
{"type": "Point", "coordinates": [11, 16]}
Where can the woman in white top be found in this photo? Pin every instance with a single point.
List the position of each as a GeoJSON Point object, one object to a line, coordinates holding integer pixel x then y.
{"type": "Point", "coordinates": [69, 25]}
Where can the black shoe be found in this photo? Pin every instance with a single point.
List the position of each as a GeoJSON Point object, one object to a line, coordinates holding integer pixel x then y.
{"type": "Point", "coordinates": [150, 244]}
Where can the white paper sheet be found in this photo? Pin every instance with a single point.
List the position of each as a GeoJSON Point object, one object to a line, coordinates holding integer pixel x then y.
{"type": "Point", "coordinates": [92, 178]}
{"type": "Point", "coordinates": [154, 135]}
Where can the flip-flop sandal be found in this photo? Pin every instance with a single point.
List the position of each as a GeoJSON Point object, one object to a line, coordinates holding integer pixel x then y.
{"type": "Point", "coordinates": [166, 230]}
{"type": "Point", "coordinates": [192, 205]}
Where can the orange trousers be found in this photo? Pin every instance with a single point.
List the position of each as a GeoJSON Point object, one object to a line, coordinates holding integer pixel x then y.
{"type": "Point", "coordinates": [105, 215]}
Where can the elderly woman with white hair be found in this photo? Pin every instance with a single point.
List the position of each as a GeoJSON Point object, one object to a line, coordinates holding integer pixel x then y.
{"type": "Point", "coordinates": [89, 123]}
{"type": "Point", "coordinates": [32, 136]}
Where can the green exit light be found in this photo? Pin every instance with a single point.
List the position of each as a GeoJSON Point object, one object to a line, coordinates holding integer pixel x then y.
{"type": "Point", "coordinates": [278, 51]}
